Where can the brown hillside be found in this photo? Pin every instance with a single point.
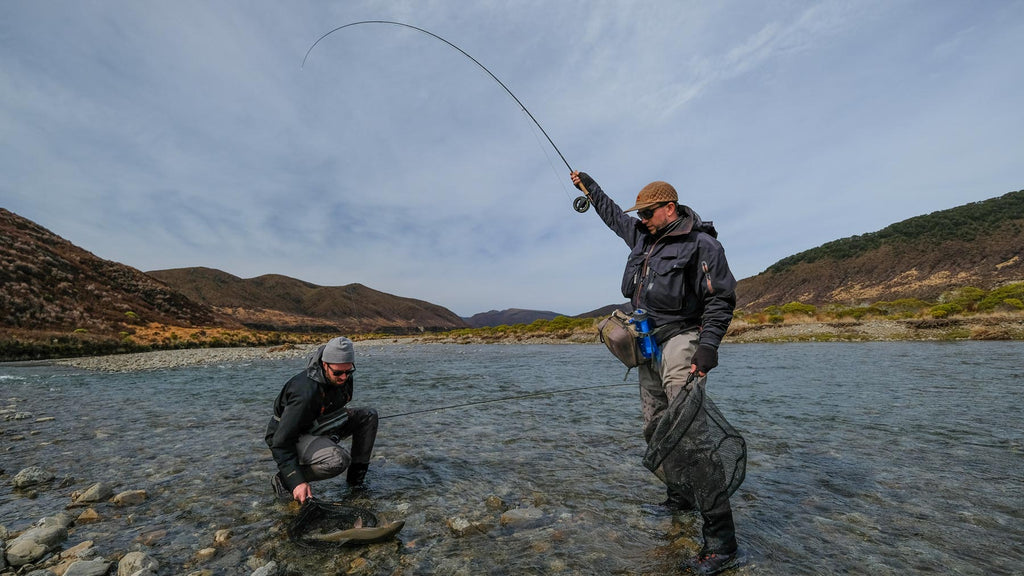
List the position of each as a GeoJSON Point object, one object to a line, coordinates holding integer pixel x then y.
{"type": "Point", "coordinates": [275, 302]}
{"type": "Point", "coordinates": [979, 244]}
{"type": "Point", "coordinates": [47, 283]}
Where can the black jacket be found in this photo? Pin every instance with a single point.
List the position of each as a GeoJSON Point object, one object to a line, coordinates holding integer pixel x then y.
{"type": "Point", "coordinates": [302, 400]}
{"type": "Point", "coordinates": [680, 276]}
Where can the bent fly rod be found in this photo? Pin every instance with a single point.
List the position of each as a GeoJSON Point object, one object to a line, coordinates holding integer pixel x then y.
{"type": "Point", "coordinates": [581, 203]}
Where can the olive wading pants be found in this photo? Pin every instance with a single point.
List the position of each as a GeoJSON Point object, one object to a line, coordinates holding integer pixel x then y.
{"type": "Point", "coordinates": [660, 383]}
{"type": "Point", "coordinates": [320, 457]}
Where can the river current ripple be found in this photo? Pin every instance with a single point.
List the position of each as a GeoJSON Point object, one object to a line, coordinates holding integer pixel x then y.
{"type": "Point", "coordinates": [864, 458]}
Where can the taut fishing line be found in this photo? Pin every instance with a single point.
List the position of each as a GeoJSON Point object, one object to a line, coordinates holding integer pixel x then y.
{"type": "Point", "coordinates": [580, 204]}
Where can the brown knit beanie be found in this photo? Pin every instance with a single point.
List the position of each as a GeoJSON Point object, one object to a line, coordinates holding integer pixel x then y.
{"type": "Point", "coordinates": [655, 193]}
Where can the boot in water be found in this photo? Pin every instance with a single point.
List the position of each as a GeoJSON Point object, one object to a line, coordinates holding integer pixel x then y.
{"type": "Point", "coordinates": [357, 473]}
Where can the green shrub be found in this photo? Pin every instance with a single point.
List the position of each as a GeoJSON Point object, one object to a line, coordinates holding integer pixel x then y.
{"type": "Point", "coordinates": [967, 298]}
{"type": "Point", "coordinates": [1014, 303]}
{"type": "Point", "coordinates": [945, 310]}
{"type": "Point", "coordinates": [1000, 295]}
{"type": "Point", "coordinates": [904, 307]}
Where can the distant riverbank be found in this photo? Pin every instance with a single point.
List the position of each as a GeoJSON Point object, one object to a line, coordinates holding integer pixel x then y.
{"type": "Point", "coordinates": [740, 333]}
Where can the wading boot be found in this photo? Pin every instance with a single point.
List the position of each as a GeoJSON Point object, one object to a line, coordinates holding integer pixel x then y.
{"type": "Point", "coordinates": [280, 492]}
{"type": "Point", "coordinates": [356, 474]}
{"type": "Point", "coordinates": [707, 563]}
{"type": "Point", "coordinates": [720, 548]}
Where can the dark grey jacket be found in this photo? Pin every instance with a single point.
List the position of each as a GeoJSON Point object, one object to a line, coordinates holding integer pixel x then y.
{"type": "Point", "coordinates": [680, 276]}
{"type": "Point", "coordinates": [302, 400]}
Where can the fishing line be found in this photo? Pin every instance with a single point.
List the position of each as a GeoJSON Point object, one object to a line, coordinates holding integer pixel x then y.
{"type": "Point", "coordinates": [505, 399]}
{"type": "Point", "coordinates": [580, 204]}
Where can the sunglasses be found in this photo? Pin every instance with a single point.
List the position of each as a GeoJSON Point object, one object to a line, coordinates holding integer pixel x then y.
{"type": "Point", "coordinates": [646, 213]}
{"type": "Point", "coordinates": [338, 373]}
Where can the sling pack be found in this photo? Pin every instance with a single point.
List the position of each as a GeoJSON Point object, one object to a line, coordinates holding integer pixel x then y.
{"type": "Point", "coordinates": [619, 335]}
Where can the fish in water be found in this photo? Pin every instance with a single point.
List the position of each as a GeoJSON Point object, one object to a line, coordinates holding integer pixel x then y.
{"type": "Point", "coordinates": [357, 534]}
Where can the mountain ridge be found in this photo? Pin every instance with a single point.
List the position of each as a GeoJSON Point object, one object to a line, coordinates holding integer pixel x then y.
{"type": "Point", "coordinates": [55, 295]}
{"type": "Point", "coordinates": [313, 308]}
{"type": "Point", "coordinates": [980, 244]}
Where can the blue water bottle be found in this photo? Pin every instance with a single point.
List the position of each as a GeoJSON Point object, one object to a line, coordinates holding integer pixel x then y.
{"type": "Point", "coordinates": [648, 347]}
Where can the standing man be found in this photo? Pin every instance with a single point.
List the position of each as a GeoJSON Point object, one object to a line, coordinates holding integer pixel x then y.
{"type": "Point", "coordinates": [322, 389]}
{"type": "Point", "coordinates": [678, 273]}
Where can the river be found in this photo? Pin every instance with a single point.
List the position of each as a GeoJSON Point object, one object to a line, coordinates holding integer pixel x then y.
{"type": "Point", "coordinates": [863, 458]}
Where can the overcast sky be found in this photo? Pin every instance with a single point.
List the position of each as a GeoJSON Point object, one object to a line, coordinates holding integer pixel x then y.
{"type": "Point", "coordinates": [179, 134]}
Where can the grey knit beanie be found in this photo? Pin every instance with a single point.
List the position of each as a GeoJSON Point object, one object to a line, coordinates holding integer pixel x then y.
{"type": "Point", "coordinates": [339, 351]}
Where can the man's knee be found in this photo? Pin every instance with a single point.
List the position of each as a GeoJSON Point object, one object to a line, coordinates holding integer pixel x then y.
{"type": "Point", "coordinates": [365, 418]}
{"type": "Point", "coordinates": [330, 462]}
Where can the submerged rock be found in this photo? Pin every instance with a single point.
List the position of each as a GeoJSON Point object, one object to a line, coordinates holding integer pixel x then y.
{"type": "Point", "coordinates": [461, 526]}
{"type": "Point", "coordinates": [521, 516]}
{"type": "Point", "coordinates": [221, 537]}
{"type": "Point", "coordinates": [31, 476]}
{"type": "Point", "coordinates": [268, 569]}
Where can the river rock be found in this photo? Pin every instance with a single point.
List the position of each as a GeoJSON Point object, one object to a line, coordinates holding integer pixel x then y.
{"type": "Point", "coordinates": [205, 555]}
{"type": "Point", "coordinates": [35, 543]}
{"type": "Point", "coordinates": [268, 569]}
{"type": "Point", "coordinates": [461, 526]}
{"type": "Point", "coordinates": [31, 476]}
{"type": "Point", "coordinates": [151, 537]}
{"type": "Point", "coordinates": [3, 557]}
{"type": "Point", "coordinates": [78, 552]}
{"type": "Point", "coordinates": [134, 562]}
{"type": "Point", "coordinates": [521, 516]}
{"type": "Point", "coordinates": [88, 516]}
{"type": "Point", "coordinates": [98, 492]}
{"type": "Point", "coordinates": [95, 567]}
{"type": "Point", "coordinates": [63, 520]}
{"type": "Point", "coordinates": [130, 498]}
{"type": "Point", "coordinates": [221, 537]}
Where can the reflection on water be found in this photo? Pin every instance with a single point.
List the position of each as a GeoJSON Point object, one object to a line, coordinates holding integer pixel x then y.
{"type": "Point", "coordinates": [877, 458]}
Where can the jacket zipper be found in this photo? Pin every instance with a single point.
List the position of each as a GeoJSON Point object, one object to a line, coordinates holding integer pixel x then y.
{"type": "Point", "coordinates": [707, 276]}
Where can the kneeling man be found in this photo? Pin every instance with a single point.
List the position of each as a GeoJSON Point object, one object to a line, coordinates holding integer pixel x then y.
{"type": "Point", "coordinates": [306, 449]}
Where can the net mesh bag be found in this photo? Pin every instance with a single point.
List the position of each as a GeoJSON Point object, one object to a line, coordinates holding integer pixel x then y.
{"type": "Point", "coordinates": [316, 517]}
{"type": "Point", "coordinates": [695, 450]}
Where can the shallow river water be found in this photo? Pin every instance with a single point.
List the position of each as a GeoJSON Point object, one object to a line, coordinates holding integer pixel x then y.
{"type": "Point", "coordinates": [864, 458]}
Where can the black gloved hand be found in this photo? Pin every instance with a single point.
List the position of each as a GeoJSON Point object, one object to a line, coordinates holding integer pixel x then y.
{"type": "Point", "coordinates": [706, 358]}
{"type": "Point", "coordinates": [586, 180]}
